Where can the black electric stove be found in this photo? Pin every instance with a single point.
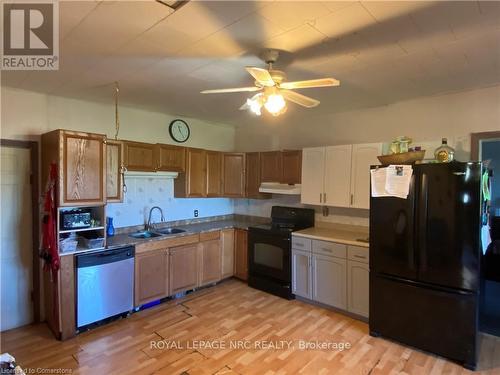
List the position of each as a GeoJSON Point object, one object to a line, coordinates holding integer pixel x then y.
{"type": "Point", "coordinates": [269, 249]}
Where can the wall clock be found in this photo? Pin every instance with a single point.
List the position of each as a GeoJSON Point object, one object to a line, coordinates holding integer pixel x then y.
{"type": "Point", "coordinates": [179, 130]}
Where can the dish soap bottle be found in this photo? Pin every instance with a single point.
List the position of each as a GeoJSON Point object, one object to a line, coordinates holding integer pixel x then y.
{"type": "Point", "coordinates": [444, 153]}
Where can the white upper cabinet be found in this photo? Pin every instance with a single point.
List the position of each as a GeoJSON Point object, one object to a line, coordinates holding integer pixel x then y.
{"type": "Point", "coordinates": [313, 171]}
{"type": "Point", "coordinates": [363, 156]}
{"type": "Point", "coordinates": [337, 176]}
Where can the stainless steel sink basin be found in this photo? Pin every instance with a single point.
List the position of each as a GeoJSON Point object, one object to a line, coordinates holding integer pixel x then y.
{"type": "Point", "coordinates": [166, 231]}
{"type": "Point", "coordinates": [144, 234]}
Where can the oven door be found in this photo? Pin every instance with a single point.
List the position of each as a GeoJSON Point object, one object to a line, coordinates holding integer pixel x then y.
{"type": "Point", "coordinates": [269, 255]}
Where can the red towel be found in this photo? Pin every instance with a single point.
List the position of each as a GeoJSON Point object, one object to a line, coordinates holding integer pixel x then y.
{"type": "Point", "coordinates": [49, 227]}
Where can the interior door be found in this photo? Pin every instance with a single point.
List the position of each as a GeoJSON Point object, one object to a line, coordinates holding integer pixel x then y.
{"type": "Point", "coordinates": [392, 249]}
{"type": "Point", "coordinates": [313, 167]}
{"type": "Point", "coordinates": [16, 255]}
{"type": "Point", "coordinates": [449, 224]}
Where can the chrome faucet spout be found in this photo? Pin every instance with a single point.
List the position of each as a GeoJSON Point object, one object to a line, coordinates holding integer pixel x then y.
{"type": "Point", "coordinates": [149, 225]}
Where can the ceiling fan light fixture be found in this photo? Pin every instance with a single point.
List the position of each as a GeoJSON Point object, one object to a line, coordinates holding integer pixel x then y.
{"type": "Point", "coordinates": [275, 104]}
{"type": "Point", "coordinates": [255, 105]}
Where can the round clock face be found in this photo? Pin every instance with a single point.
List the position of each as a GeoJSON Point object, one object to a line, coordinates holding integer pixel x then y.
{"type": "Point", "coordinates": [179, 131]}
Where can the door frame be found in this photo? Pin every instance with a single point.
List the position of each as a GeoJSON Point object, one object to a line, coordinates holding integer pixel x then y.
{"type": "Point", "coordinates": [35, 210]}
{"type": "Point", "coordinates": [476, 138]}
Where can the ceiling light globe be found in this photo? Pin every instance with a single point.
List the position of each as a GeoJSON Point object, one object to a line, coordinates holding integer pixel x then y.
{"type": "Point", "coordinates": [275, 104]}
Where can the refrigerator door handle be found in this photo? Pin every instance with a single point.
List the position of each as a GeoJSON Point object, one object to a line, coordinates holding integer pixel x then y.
{"type": "Point", "coordinates": [422, 221]}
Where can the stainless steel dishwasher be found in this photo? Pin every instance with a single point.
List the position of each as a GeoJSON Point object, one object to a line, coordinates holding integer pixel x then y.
{"type": "Point", "coordinates": [105, 284]}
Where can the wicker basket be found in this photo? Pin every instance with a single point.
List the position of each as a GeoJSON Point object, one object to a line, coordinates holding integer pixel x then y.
{"type": "Point", "coordinates": [403, 158]}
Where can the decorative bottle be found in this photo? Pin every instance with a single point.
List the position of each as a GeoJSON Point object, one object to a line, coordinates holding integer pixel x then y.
{"type": "Point", "coordinates": [110, 229]}
{"type": "Point", "coordinates": [444, 153]}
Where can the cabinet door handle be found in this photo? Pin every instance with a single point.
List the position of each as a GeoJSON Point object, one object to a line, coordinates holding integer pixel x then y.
{"type": "Point", "coordinates": [326, 249]}
{"type": "Point", "coordinates": [324, 197]}
{"type": "Point", "coordinates": [359, 256]}
{"type": "Point", "coordinates": [320, 198]}
{"type": "Point", "coordinates": [352, 199]}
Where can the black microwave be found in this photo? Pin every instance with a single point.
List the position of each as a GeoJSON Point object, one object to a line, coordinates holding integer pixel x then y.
{"type": "Point", "coordinates": [75, 219]}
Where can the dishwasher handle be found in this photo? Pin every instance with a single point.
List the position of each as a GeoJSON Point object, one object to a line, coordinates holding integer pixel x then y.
{"type": "Point", "coordinates": [105, 257]}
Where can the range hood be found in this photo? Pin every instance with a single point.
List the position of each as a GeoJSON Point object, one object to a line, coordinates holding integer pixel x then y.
{"type": "Point", "coordinates": [277, 188]}
{"type": "Point", "coordinates": [161, 175]}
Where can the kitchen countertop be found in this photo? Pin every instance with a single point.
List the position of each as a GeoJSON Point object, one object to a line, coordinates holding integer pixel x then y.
{"type": "Point", "coordinates": [340, 233]}
{"type": "Point", "coordinates": [208, 226]}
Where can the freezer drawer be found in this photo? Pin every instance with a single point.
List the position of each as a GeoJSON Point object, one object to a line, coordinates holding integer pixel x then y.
{"type": "Point", "coordinates": [434, 320]}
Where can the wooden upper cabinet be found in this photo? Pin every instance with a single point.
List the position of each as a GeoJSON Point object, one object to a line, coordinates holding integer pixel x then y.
{"type": "Point", "coordinates": [252, 176]}
{"type": "Point", "coordinates": [139, 156]}
{"type": "Point", "coordinates": [114, 176]}
{"type": "Point", "coordinates": [292, 167]}
{"type": "Point", "coordinates": [214, 174]}
{"type": "Point", "coordinates": [171, 158]}
{"type": "Point", "coordinates": [271, 166]}
{"type": "Point", "coordinates": [81, 160]}
{"type": "Point", "coordinates": [233, 168]}
{"type": "Point", "coordinates": [192, 183]}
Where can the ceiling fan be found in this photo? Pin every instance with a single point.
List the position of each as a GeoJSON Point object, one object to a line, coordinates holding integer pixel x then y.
{"type": "Point", "coordinates": [274, 89]}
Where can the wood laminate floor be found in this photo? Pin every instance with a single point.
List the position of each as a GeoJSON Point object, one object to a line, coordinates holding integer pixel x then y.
{"type": "Point", "coordinates": [165, 340]}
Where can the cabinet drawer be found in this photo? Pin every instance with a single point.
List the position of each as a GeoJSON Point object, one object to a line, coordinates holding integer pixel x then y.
{"type": "Point", "coordinates": [208, 236]}
{"type": "Point", "coordinates": [329, 248]}
{"type": "Point", "coordinates": [358, 254]}
{"type": "Point", "coordinates": [301, 243]}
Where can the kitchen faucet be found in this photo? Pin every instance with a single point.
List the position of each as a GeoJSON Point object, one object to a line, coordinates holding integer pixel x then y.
{"type": "Point", "coordinates": [150, 226]}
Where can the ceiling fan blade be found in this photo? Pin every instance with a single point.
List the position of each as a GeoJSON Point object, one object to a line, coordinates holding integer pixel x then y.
{"type": "Point", "coordinates": [261, 75]}
{"type": "Point", "coordinates": [300, 99]}
{"type": "Point", "coordinates": [235, 89]}
{"type": "Point", "coordinates": [322, 82]}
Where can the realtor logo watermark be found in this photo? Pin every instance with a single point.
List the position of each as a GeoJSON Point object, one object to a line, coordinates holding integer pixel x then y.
{"type": "Point", "coordinates": [30, 35]}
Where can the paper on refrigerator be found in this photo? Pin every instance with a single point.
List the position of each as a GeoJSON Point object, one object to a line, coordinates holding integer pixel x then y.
{"type": "Point", "coordinates": [391, 181]}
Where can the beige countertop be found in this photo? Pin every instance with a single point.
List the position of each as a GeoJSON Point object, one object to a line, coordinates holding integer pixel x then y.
{"type": "Point", "coordinates": [341, 233]}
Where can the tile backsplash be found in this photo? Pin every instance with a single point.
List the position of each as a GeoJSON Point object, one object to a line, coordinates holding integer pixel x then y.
{"type": "Point", "coordinates": [262, 207]}
{"type": "Point", "coordinates": [146, 192]}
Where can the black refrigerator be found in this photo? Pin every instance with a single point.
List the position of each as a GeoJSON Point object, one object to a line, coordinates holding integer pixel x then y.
{"type": "Point", "coordinates": [425, 259]}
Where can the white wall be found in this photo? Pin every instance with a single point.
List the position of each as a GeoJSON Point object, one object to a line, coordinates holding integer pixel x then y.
{"type": "Point", "coordinates": [426, 120]}
{"type": "Point", "coordinates": [26, 115]}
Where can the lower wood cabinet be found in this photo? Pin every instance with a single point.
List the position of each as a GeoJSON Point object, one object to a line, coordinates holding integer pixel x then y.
{"type": "Point", "coordinates": [241, 251]}
{"type": "Point", "coordinates": [227, 250]}
{"type": "Point", "coordinates": [209, 262]}
{"type": "Point", "coordinates": [329, 281]}
{"type": "Point", "coordinates": [183, 266]}
{"type": "Point", "coordinates": [358, 287]}
{"type": "Point", "coordinates": [151, 276]}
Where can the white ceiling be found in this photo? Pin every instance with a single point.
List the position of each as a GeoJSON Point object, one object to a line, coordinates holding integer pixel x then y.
{"type": "Point", "coordinates": [382, 52]}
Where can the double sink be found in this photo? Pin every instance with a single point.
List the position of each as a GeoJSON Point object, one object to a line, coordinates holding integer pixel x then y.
{"type": "Point", "coordinates": [156, 233]}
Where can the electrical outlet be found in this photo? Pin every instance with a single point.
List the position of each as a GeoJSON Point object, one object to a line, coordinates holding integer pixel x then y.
{"type": "Point", "coordinates": [195, 213]}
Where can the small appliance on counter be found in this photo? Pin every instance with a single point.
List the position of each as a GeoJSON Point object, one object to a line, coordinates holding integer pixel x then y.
{"type": "Point", "coordinates": [269, 250]}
